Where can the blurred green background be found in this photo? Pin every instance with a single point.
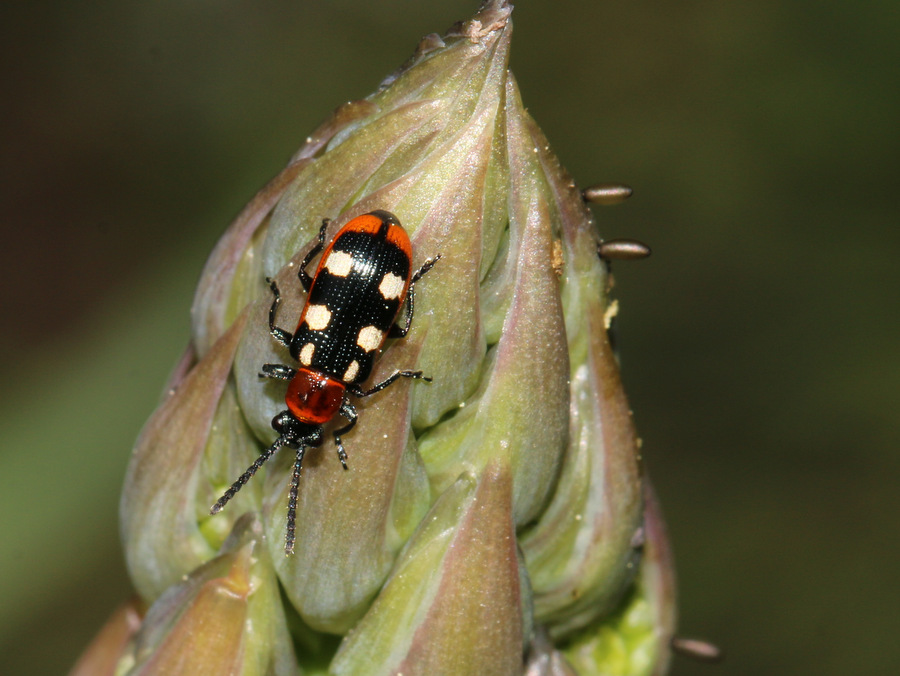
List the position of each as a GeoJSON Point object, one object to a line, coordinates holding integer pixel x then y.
{"type": "Point", "coordinates": [759, 342]}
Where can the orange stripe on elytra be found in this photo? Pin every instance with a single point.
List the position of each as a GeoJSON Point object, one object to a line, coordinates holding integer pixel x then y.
{"type": "Point", "coordinates": [371, 224]}
{"type": "Point", "coordinates": [367, 223]}
{"type": "Point", "coordinates": [398, 237]}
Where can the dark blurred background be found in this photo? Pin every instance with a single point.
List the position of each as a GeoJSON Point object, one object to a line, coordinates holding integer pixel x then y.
{"type": "Point", "coordinates": [759, 342]}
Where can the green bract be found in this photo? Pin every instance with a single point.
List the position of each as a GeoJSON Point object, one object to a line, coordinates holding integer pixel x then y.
{"type": "Point", "coordinates": [492, 521]}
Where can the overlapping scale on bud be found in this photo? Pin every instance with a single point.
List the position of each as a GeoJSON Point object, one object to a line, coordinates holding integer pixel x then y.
{"type": "Point", "coordinates": [225, 617]}
{"type": "Point", "coordinates": [455, 602]}
{"type": "Point", "coordinates": [196, 438]}
{"type": "Point", "coordinates": [490, 520]}
{"type": "Point", "coordinates": [581, 553]}
{"type": "Point", "coordinates": [101, 657]}
{"type": "Point", "coordinates": [636, 639]}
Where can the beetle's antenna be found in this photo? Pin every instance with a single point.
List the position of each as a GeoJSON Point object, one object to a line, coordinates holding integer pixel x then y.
{"type": "Point", "coordinates": [245, 477]}
{"type": "Point", "coordinates": [292, 503]}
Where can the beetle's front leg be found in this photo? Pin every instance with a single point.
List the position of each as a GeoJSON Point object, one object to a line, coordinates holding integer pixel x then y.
{"type": "Point", "coordinates": [279, 334]}
{"type": "Point", "coordinates": [305, 278]}
{"type": "Point", "coordinates": [277, 372]}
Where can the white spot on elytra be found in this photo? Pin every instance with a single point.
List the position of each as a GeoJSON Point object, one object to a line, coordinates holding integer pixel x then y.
{"type": "Point", "coordinates": [351, 372]}
{"type": "Point", "coordinates": [369, 338]}
{"type": "Point", "coordinates": [306, 354]}
{"type": "Point", "coordinates": [391, 286]}
{"type": "Point", "coordinates": [339, 263]}
{"type": "Point", "coordinates": [317, 317]}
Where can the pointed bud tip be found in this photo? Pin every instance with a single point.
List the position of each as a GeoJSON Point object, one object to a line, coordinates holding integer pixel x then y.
{"type": "Point", "coordinates": [493, 15]}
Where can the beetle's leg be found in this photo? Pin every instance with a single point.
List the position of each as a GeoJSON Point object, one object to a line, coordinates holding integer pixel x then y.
{"type": "Point", "coordinates": [305, 278]}
{"type": "Point", "coordinates": [277, 371]}
{"type": "Point", "coordinates": [278, 334]}
{"type": "Point", "coordinates": [289, 535]}
{"type": "Point", "coordinates": [397, 331]}
{"type": "Point", "coordinates": [348, 410]}
{"type": "Point", "coordinates": [355, 389]}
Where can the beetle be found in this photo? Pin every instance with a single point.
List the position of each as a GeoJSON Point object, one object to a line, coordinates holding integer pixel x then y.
{"type": "Point", "coordinates": [352, 305]}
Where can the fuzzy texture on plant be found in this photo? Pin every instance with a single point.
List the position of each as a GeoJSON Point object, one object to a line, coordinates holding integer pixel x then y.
{"type": "Point", "coordinates": [493, 521]}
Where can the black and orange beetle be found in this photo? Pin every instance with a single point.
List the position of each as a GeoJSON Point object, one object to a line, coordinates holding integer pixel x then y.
{"type": "Point", "coordinates": [353, 302]}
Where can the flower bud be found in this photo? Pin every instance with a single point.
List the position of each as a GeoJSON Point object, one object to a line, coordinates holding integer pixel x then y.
{"type": "Point", "coordinates": [487, 520]}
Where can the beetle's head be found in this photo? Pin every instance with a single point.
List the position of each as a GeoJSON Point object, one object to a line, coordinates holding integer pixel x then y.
{"type": "Point", "coordinates": [296, 433]}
